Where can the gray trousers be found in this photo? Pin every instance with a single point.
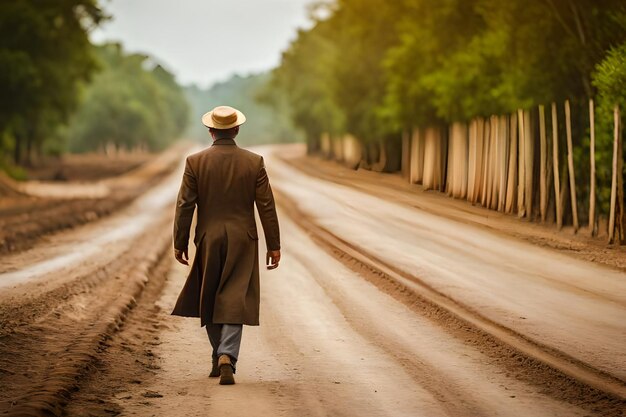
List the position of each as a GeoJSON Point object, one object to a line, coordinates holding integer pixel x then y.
{"type": "Point", "coordinates": [225, 340]}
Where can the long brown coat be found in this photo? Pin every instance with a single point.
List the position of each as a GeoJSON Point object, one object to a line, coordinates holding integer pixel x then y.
{"type": "Point", "coordinates": [224, 181]}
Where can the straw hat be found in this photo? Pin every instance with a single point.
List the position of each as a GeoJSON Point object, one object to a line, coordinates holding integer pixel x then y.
{"type": "Point", "coordinates": [223, 117]}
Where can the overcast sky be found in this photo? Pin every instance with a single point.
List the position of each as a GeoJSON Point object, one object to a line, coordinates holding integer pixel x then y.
{"type": "Point", "coordinates": [204, 41]}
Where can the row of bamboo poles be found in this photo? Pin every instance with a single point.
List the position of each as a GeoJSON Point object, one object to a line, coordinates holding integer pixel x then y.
{"type": "Point", "coordinates": [491, 161]}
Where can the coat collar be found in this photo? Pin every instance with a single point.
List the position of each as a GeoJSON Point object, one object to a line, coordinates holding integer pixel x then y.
{"type": "Point", "coordinates": [224, 141]}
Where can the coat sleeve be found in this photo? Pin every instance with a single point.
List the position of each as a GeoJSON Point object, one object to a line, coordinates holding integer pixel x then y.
{"type": "Point", "coordinates": [185, 206]}
{"type": "Point", "coordinates": [267, 209]}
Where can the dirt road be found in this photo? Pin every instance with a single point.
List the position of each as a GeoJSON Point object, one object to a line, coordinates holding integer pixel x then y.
{"type": "Point", "coordinates": [330, 343]}
{"type": "Point", "coordinates": [339, 336]}
{"type": "Point", "coordinates": [523, 287]}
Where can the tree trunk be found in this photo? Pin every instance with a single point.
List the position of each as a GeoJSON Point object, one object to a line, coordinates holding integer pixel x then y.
{"type": "Point", "coordinates": [406, 154]}
{"type": "Point", "coordinates": [28, 160]}
{"type": "Point", "coordinates": [17, 151]}
{"type": "Point", "coordinates": [390, 155]}
{"type": "Point", "coordinates": [312, 144]}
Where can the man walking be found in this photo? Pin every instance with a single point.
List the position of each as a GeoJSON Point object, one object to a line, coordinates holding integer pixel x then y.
{"type": "Point", "coordinates": [224, 182]}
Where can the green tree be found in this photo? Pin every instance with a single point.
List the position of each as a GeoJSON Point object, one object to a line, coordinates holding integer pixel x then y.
{"type": "Point", "coordinates": [609, 78]}
{"type": "Point", "coordinates": [382, 67]}
{"type": "Point", "coordinates": [132, 103]}
{"type": "Point", "coordinates": [305, 78]}
{"type": "Point", "coordinates": [45, 56]}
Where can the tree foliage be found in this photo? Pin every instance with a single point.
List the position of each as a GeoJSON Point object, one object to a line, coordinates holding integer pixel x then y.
{"type": "Point", "coordinates": [379, 67]}
{"type": "Point", "coordinates": [307, 82]}
{"type": "Point", "coordinates": [45, 56]}
{"type": "Point", "coordinates": [131, 103]}
{"type": "Point", "coordinates": [609, 78]}
{"type": "Point", "coordinates": [374, 69]}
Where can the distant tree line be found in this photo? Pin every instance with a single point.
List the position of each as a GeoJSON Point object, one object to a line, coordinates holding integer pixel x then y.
{"type": "Point", "coordinates": [374, 69]}
{"type": "Point", "coordinates": [266, 109]}
{"type": "Point", "coordinates": [57, 89]}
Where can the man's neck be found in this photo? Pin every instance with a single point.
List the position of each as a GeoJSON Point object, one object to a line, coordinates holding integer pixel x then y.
{"type": "Point", "coordinates": [224, 141]}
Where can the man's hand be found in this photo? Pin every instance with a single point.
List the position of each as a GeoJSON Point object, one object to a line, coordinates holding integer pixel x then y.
{"type": "Point", "coordinates": [272, 258]}
{"type": "Point", "coordinates": [182, 257]}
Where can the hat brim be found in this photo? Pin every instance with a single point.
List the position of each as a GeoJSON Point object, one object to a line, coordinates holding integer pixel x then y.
{"type": "Point", "coordinates": [208, 121]}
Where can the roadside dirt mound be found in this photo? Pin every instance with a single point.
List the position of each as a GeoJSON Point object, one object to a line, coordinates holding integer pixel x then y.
{"type": "Point", "coordinates": [53, 339]}
{"type": "Point", "coordinates": [25, 217]}
{"type": "Point", "coordinates": [87, 167]}
{"type": "Point", "coordinates": [24, 220]}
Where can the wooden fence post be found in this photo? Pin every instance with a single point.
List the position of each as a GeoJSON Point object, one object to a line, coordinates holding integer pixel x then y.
{"type": "Point", "coordinates": [352, 151]}
{"type": "Point", "coordinates": [620, 215]}
{"type": "Point", "coordinates": [616, 121]}
{"type": "Point", "coordinates": [416, 166]}
{"type": "Point", "coordinates": [512, 175]}
{"type": "Point", "coordinates": [478, 141]}
{"type": "Point", "coordinates": [471, 160]}
{"type": "Point", "coordinates": [592, 175]}
{"type": "Point", "coordinates": [442, 153]}
{"type": "Point", "coordinates": [485, 168]}
{"type": "Point", "coordinates": [432, 159]}
{"type": "Point", "coordinates": [543, 160]}
{"type": "Point", "coordinates": [495, 196]}
{"type": "Point", "coordinates": [570, 162]}
{"type": "Point", "coordinates": [555, 168]}
{"type": "Point", "coordinates": [491, 180]}
{"type": "Point", "coordinates": [449, 182]}
{"type": "Point", "coordinates": [528, 160]}
{"type": "Point", "coordinates": [459, 158]}
{"type": "Point", "coordinates": [405, 164]}
{"type": "Point", "coordinates": [503, 155]}
{"type": "Point", "coordinates": [521, 177]}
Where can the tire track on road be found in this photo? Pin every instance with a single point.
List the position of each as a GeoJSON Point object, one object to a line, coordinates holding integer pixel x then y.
{"type": "Point", "coordinates": [555, 373]}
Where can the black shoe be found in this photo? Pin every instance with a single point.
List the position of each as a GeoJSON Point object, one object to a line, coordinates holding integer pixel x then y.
{"type": "Point", "coordinates": [215, 370]}
{"type": "Point", "coordinates": [227, 376]}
